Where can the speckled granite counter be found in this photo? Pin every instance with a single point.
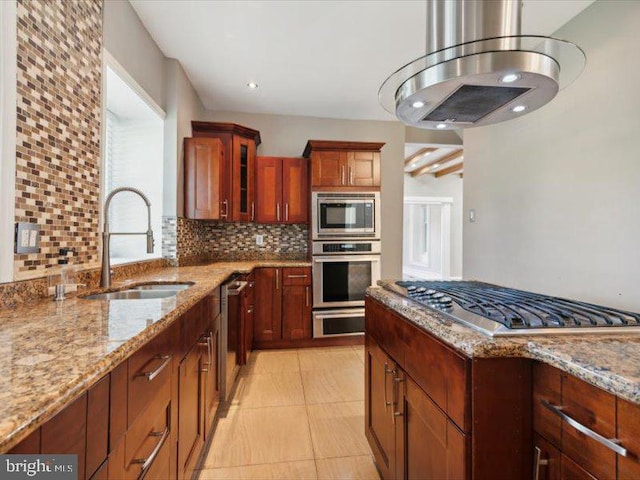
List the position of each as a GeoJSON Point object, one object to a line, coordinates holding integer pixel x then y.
{"type": "Point", "coordinates": [52, 352]}
{"type": "Point", "coordinates": [606, 360]}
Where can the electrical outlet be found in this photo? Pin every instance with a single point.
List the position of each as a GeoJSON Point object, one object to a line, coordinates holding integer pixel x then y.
{"type": "Point", "coordinates": [259, 240]}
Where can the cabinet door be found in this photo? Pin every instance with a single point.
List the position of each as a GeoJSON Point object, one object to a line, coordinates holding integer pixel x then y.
{"type": "Point", "coordinates": [363, 169]}
{"type": "Point", "coordinates": [628, 415]}
{"type": "Point", "coordinates": [190, 406]}
{"type": "Point", "coordinates": [570, 470]}
{"type": "Point", "coordinates": [268, 189]}
{"type": "Point", "coordinates": [434, 448]}
{"type": "Point", "coordinates": [212, 377]}
{"type": "Point", "coordinates": [66, 433]}
{"type": "Point", "coordinates": [379, 422]}
{"type": "Point", "coordinates": [268, 305]}
{"type": "Point", "coordinates": [328, 169]}
{"type": "Point", "coordinates": [244, 155]}
{"type": "Point", "coordinates": [547, 462]}
{"type": "Point", "coordinates": [296, 312]}
{"type": "Point", "coordinates": [295, 190]}
{"type": "Point", "coordinates": [203, 174]}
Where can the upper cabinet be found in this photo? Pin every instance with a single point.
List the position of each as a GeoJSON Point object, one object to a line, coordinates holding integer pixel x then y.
{"type": "Point", "coordinates": [282, 193]}
{"type": "Point", "coordinates": [219, 172]}
{"type": "Point", "coordinates": [344, 165]}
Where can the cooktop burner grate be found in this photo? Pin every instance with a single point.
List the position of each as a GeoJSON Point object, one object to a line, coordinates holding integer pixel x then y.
{"type": "Point", "coordinates": [514, 309]}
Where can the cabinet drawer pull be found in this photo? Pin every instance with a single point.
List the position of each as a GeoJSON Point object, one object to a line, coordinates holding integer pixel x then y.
{"type": "Point", "coordinates": [538, 462]}
{"type": "Point", "coordinates": [387, 371]}
{"type": "Point", "coordinates": [306, 297]}
{"type": "Point", "coordinates": [296, 276]}
{"type": "Point", "coordinates": [146, 462]}
{"type": "Point", "coordinates": [154, 373]}
{"type": "Point", "coordinates": [253, 211]}
{"type": "Point", "coordinates": [610, 443]}
{"type": "Point", "coordinates": [277, 279]}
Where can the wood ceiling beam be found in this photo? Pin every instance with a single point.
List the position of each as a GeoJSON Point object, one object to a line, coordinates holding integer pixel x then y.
{"type": "Point", "coordinates": [419, 153]}
{"type": "Point", "coordinates": [425, 168]}
{"type": "Point", "coordinates": [448, 170]}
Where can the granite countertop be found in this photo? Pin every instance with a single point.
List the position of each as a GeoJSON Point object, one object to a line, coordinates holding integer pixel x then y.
{"type": "Point", "coordinates": [608, 361]}
{"type": "Point", "coordinates": [51, 352]}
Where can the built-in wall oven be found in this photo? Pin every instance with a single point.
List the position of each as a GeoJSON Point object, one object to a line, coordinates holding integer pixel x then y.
{"type": "Point", "coordinates": [337, 215]}
{"type": "Point", "coordinates": [342, 272]}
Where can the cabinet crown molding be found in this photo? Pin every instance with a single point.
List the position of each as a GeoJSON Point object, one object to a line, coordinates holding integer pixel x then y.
{"type": "Point", "coordinates": [231, 128]}
{"type": "Point", "coordinates": [340, 145]}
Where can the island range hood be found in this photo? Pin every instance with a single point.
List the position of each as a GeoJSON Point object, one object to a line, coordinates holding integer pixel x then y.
{"type": "Point", "coordinates": [479, 69]}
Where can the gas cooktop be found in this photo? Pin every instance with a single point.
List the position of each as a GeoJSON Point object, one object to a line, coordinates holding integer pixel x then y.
{"type": "Point", "coordinates": [496, 310]}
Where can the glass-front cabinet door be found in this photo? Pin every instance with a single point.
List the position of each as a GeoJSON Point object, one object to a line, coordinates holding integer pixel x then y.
{"type": "Point", "coordinates": [244, 154]}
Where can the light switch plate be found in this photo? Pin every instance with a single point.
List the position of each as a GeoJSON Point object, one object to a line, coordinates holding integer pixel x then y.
{"type": "Point", "coordinates": [472, 215]}
{"type": "Point", "coordinates": [259, 240]}
{"type": "Point", "coordinates": [27, 238]}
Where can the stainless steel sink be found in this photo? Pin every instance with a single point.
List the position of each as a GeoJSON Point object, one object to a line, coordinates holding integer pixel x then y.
{"type": "Point", "coordinates": [177, 287]}
{"type": "Point", "coordinates": [132, 295]}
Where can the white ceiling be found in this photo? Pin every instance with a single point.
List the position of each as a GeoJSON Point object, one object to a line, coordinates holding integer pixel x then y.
{"type": "Point", "coordinates": [314, 58]}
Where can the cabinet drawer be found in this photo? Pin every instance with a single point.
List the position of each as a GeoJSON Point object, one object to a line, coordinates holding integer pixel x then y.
{"type": "Point", "coordinates": [595, 409]}
{"type": "Point", "coordinates": [629, 435]}
{"type": "Point", "coordinates": [570, 470]}
{"type": "Point", "coordinates": [547, 387]}
{"type": "Point", "coordinates": [387, 329]}
{"type": "Point", "coordinates": [146, 443]}
{"type": "Point", "coordinates": [296, 276]}
{"type": "Point", "coordinates": [149, 376]}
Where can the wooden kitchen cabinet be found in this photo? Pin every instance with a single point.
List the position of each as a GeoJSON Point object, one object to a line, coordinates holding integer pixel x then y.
{"type": "Point", "coordinates": [283, 299]}
{"type": "Point", "coordinates": [219, 176]}
{"type": "Point", "coordinates": [282, 193]}
{"type": "Point", "coordinates": [344, 165]}
{"type": "Point", "coordinates": [590, 409]}
{"type": "Point", "coordinates": [205, 173]}
{"type": "Point", "coordinates": [247, 302]}
{"type": "Point", "coordinates": [421, 418]}
{"type": "Point", "coordinates": [212, 380]}
{"type": "Point", "coordinates": [268, 305]}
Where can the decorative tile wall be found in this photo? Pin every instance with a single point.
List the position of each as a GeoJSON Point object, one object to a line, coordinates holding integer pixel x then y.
{"type": "Point", "coordinates": [59, 82]}
{"type": "Point", "coordinates": [237, 241]}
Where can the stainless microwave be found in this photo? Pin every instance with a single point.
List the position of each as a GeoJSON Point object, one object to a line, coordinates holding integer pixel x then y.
{"type": "Point", "coordinates": [345, 215]}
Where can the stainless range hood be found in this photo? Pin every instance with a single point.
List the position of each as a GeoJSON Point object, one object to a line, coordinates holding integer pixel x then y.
{"type": "Point", "coordinates": [478, 69]}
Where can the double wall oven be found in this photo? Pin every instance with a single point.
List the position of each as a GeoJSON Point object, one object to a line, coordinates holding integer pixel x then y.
{"type": "Point", "coordinates": [346, 259]}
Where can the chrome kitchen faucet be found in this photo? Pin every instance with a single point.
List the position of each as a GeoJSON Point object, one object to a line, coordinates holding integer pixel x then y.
{"type": "Point", "coordinates": [105, 275]}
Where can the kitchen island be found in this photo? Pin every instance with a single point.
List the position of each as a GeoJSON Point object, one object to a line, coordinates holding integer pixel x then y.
{"type": "Point", "coordinates": [483, 405]}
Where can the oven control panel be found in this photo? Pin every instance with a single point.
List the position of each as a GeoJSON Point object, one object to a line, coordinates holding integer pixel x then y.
{"type": "Point", "coordinates": [328, 248]}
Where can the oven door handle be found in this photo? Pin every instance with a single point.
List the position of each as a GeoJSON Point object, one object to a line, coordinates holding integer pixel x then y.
{"type": "Point", "coordinates": [349, 258]}
{"type": "Point", "coordinates": [337, 314]}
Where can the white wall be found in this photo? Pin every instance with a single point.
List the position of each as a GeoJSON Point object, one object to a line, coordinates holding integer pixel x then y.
{"type": "Point", "coordinates": [557, 192]}
{"type": "Point", "coordinates": [183, 106]}
{"type": "Point", "coordinates": [126, 38]}
{"type": "Point", "coordinates": [287, 136]}
{"type": "Point", "coordinates": [447, 186]}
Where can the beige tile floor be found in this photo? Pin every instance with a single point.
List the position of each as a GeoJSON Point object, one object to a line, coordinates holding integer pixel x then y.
{"type": "Point", "coordinates": [295, 415]}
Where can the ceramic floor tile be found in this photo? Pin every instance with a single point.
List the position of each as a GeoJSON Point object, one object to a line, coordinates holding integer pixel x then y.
{"type": "Point", "coordinates": [336, 358]}
{"type": "Point", "coordinates": [272, 361]}
{"type": "Point", "coordinates": [260, 435]}
{"type": "Point", "coordinates": [359, 349]}
{"type": "Point", "coordinates": [347, 468]}
{"type": "Point", "coordinates": [337, 429]}
{"type": "Point", "coordinates": [335, 385]}
{"type": "Point", "coordinates": [304, 470]}
{"type": "Point", "coordinates": [268, 390]}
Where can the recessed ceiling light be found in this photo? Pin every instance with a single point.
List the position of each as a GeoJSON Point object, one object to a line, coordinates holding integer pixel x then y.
{"type": "Point", "coordinates": [252, 85]}
{"type": "Point", "coordinates": [510, 78]}
{"type": "Point", "coordinates": [417, 104]}
{"type": "Point", "coordinates": [519, 108]}
{"type": "Point", "coordinates": [440, 126]}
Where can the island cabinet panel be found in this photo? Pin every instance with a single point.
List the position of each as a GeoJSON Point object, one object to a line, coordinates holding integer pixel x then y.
{"type": "Point", "coordinates": [29, 445]}
{"type": "Point", "coordinates": [628, 419]}
{"type": "Point", "coordinates": [97, 425]}
{"type": "Point", "coordinates": [380, 424]}
{"type": "Point", "coordinates": [451, 417]}
{"type": "Point", "coordinates": [568, 412]}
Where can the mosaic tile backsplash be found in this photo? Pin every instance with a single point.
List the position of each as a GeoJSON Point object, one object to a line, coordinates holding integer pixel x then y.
{"type": "Point", "coordinates": [59, 79]}
{"type": "Point", "coordinates": [197, 240]}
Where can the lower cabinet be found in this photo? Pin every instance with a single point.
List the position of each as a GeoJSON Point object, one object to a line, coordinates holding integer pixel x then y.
{"type": "Point", "coordinates": [409, 435]}
{"type": "Point", "coordinates": [191, 409]}
{"type": "Point", "coordinates": [283, 299]}
{"type": "Point", "coordinates": [151, 415]}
